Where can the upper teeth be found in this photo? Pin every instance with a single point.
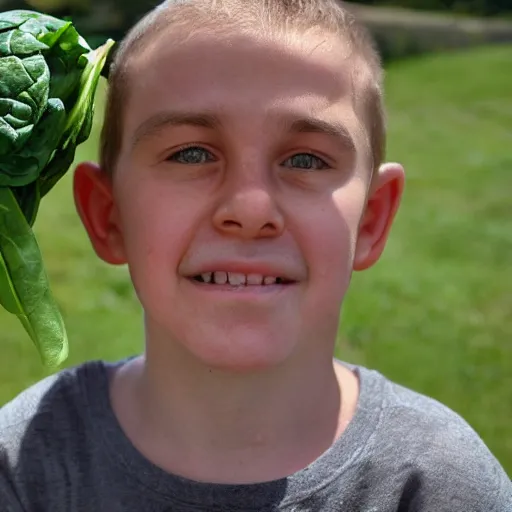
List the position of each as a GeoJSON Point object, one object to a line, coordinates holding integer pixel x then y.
{"type": "Point", "coordinates": [236, 279]}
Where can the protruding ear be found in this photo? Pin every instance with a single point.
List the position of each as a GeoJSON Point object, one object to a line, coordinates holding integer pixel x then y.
{"type": "Point", "coordinates": [94, 201]}
{"type": "Point", "coordinates": [383, 201]}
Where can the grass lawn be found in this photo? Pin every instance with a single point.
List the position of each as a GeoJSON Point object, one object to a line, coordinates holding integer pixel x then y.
{"type": "Point", "coordinates": [435, 314]}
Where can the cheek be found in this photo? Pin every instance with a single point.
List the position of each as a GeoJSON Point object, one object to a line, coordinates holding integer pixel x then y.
{"type": "Point", "coordinates": [155, 224]}
{"type": "Point", "coordinates": [332, 236]}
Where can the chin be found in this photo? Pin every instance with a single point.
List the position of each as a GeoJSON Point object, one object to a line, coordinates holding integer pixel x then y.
{"type": "Point", "coordinates": [239, 351]}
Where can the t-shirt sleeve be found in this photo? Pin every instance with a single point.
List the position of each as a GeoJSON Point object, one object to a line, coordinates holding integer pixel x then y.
{"type": "Point", "coordinates": [455, 471]}
{"type": "Point", "coordinates": [20, 456]}
{"type": "Point", "coordinates": [445, 465]}
{"type": "Point", "coordinates": [465, 491]}
{"type": "Point", "coordinates": [503, 500]}
{"type": "Point", "coordinates": [9, 501]}
{"type": "Point", "coordinates": [481, 483]}
{"type": "Point", "coordinates": [450, 489]}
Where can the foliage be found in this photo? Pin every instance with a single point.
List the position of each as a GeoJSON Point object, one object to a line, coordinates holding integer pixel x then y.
{"type": "Point", "coordinates": [49, 78]}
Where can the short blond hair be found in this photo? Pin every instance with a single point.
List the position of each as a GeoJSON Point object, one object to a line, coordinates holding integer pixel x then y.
{"type": "Point", "coordinates": [277, 15]}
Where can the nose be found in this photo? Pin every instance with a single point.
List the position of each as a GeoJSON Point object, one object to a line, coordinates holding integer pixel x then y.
{"type": "Point", "coordinates": [249, 210]}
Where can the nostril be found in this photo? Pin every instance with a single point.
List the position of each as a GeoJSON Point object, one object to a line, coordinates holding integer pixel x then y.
{"type": "Point", "coordinates": [231, 224]}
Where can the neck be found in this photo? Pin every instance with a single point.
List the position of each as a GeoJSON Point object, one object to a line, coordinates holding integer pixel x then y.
{"type": "Point", "coordinates": [215, 426]}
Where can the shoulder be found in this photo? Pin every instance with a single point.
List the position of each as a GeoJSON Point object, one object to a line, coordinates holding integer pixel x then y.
{"type": "Point", "coordinates": [48, 413]}
{"type": "Point", "coordinates": [35, 400]}
{"type": "Point", "coordinates": [444, 458]}
{"type": "Point", "coordinates": [44, 396]}
{"type": "Point", "coordinates": [48, 434]}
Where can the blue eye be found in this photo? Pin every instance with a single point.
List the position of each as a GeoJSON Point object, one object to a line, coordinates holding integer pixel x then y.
{"type": "Point", "coordinates": [192, 155]}
{"type": "Point", "coordinates": [306, 161]}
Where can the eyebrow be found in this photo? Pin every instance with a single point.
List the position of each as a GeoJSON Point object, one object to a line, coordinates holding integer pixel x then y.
{"type": "Point", "coordinates": [336, 130]}
{"type": "Point", "coordinates": [160, 121]}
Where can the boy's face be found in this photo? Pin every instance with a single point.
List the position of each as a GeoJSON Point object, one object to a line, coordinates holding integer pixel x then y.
{"type": "Point", "coordinates": [241, 156]}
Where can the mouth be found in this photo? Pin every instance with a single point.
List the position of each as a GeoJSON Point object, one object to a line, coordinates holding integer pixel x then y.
{"type": "Point", "coordinates": [239, 280]}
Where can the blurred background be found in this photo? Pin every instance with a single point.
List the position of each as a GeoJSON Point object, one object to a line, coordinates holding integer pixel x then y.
{"type": "Point", "coordinates": [435, 314]}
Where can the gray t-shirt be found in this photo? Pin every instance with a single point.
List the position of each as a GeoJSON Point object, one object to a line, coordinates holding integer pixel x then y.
{"type": "Point", "coordinates": [62, 450]}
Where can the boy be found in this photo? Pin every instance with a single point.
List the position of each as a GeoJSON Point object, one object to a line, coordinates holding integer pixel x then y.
{"type": "Point", "coordinates": [241, 180]}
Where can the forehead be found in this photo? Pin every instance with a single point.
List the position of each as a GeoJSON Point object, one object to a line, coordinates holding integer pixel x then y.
{"type": "Point", "coordinates": [241, 76]}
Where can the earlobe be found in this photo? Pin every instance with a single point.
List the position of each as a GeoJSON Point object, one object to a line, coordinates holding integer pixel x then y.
{"type": "Point", "coordinates": [92, 192]}
{"type": "Point", "coordinates": [383, 201]}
